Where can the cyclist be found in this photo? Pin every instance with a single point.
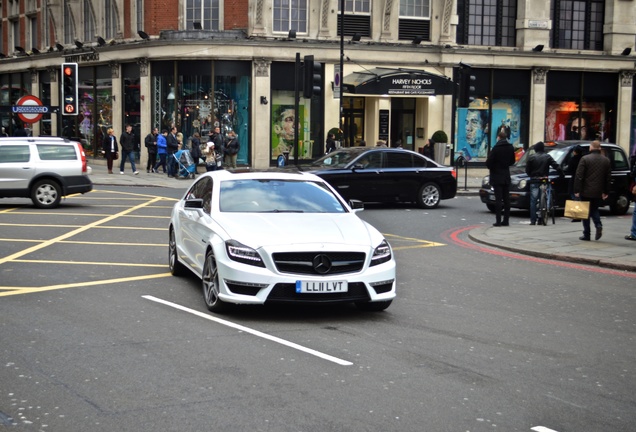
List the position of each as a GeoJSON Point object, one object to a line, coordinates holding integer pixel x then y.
{"type": "Point", "coordinates": [538, 167]}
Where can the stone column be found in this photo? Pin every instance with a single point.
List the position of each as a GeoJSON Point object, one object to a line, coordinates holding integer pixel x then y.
{"type": "Point", "coordinates": [624, 105]}
{"type": "Point", "coordinates": [261, 120]}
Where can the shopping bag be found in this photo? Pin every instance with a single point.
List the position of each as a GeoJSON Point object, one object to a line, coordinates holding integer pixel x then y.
{"type": "Point", "coordinates": [577, 209]}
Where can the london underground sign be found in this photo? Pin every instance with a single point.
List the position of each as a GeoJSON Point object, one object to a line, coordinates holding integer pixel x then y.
{"type": "Point", "coordinates": [30, 109]}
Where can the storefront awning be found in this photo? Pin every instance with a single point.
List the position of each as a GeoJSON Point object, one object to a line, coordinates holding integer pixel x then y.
{"type": "Point", "coordinates": [396, 82]}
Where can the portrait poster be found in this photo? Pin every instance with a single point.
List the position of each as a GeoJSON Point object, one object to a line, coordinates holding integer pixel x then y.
{"type": "Point", "coordinates": [473, 139]}
{"type": "Point", "coordinates": [562, 121]}
{"type": "Point", "coordinates": [283, 123]}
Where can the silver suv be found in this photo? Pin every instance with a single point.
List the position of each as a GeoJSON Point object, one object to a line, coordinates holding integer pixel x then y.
{"type": "Point", "coordinates": [44, 169]}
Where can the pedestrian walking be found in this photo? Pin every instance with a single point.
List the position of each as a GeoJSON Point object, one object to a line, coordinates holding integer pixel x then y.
{"type": "Point", "coordinates": [172, 146]}
{"type": "Point", "coordinates": [632, 232]}
{"type": "Point", "coordinates": [501, 157]}
{"type": "Point", "coordinates": [127, 142]}
{"type": "Point", "coordinates": [537, 168]}
{"type": "Point", "coordinates": [195, 151]}
{"type": "Point", "coordinates": [110, 149]}
{"type": "Point", "coordinates": [330, 143]}
{"type": "Point", "coordinates": [151, 146]}
{"type": "Point", "coordinates": [592, 183]}
{"type": "Point", "coordinates": [162, 152]}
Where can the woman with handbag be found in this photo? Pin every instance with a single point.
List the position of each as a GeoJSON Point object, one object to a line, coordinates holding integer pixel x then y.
{"type": "Point", "coordinates": [110, 149]}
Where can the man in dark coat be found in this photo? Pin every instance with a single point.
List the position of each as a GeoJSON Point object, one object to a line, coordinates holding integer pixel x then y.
{"type": "Point", "coordinates": [151, 145]}
{"type": "Point", "coordinates": [127, 143]}
{"type": "Point", "coordinates": [172, 148]}
{"type": "Point", "coordinates": [592, 183]}
{"type": "Point", "coordinates": [499, 160]}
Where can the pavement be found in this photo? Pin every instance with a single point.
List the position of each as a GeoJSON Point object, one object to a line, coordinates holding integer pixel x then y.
{"type": "Point", "coordinates": [558, 242]}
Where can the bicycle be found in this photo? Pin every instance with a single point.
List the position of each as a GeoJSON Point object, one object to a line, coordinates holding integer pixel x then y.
{"type": "Point", "coordinates": [547, 208]}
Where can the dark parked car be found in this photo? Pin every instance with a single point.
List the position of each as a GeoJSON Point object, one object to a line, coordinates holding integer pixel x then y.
{"type": "Point", "coordinates": [381, 174]}
{"type": "Point", "coordinates": [561, 152]}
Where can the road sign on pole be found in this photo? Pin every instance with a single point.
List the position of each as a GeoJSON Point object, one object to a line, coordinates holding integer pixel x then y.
{"type": "Point", "coordinates": [336, 82]}
{"type": "Point", "coordinates": [30, 109]}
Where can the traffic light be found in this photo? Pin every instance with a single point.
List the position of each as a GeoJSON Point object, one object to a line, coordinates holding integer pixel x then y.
{"type": "Point", "coordinates": [69, 89]}
{"type": "Point", "coordinates": [467, 86]}
{"type": "Point", "coordinates": [312, 84]}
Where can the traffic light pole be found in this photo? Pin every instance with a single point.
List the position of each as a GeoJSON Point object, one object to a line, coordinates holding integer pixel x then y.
{"type": "Point", "coordinates": [340, 110]}
{"type": "Point", "coordinates": [296, 105]}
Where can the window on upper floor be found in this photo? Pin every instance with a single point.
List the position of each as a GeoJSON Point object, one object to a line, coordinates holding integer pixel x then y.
{"type": "Point", "coordinates": [357, 18]}
{"type": "Point", "coordinates": [69, 25]}
{"type": "Point", "coordinates": [33, 33]}
{"type": "Point", "coordinates": [290, 15]}
{"type": "Point", "coordinates": [577, 24]}
{"type": "Point", "coordinates": [487, 22]}
{"type": "Point", "coordinates": [415, 20]}
{"type": "Point", "coordinates": [140, 14]}
{"type": "Point", "coordinates": [89, 22]}
{"type": "Point", "coordinates": [110, 19]}
{"type": "Point", "coordinates": [204, 12]}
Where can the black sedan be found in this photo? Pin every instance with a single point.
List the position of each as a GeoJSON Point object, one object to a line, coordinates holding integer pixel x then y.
{"type": "Point", "coordinates": [561, 152]}
{"type": "Point", "coordinates": [381, 174]}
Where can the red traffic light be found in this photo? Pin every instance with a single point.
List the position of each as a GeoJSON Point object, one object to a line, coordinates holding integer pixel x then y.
{"type": "Point", "coordinates": [68, 71]}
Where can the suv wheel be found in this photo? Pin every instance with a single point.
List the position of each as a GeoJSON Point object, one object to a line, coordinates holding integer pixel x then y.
{"type": "Point", "coordinates": [46, 194]}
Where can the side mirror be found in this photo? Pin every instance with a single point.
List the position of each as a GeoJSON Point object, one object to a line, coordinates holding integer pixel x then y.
{"type": "Point", "coordinates": [356, 205]}
{"type": "Point", "coordinates": [193, 204]}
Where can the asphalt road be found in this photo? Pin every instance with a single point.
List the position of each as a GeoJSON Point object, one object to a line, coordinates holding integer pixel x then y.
{"type": "Point", "coordinates": [97, 336]}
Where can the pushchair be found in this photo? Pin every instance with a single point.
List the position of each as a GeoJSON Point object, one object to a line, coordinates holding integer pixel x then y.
{"type": "Point", "coordinates": [187, 166]}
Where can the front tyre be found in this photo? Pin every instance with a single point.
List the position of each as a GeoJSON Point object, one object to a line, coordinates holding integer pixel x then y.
{"type": "Point", "coordinates": [544, 209]}
{"type": "Point", "coordinates": [429, 196]}
{"type": "Point", "coordinates": [211, 284]}
{"type": "Point", "coordinates": [46, 194]}
{"type": "Point", "coordinates": [176, 268]}
{"type": "Point", "coordinates": [373, 306]}
{"type": "Point", "coordinates": [620, 206]}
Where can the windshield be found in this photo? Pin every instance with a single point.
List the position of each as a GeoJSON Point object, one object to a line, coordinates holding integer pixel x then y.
{"type": "Point", "coordinates": [558, 154]}
{"type": "Point", "coordinates": [277, 196]}
{"type": "Point", "coordinates": [338, 158]}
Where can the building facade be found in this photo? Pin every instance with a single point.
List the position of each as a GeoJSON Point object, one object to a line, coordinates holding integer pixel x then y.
{"type": "Point", "coordinates": [403, 68]}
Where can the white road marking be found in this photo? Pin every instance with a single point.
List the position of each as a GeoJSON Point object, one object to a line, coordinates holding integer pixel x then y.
{"type": "Point", "coordinates": [542, 429]}
{"type": "Point", "coordinates": [251, 331]}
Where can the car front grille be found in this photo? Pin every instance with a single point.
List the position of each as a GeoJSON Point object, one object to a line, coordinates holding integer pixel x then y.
{"type": "Point", "coordinates": [319, 263]}
{"type": "Point", "coordinates": [284, 292]}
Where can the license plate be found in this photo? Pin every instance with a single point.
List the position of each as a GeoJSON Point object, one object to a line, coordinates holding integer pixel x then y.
{"type": "Point", "coordinates": [317, 287]}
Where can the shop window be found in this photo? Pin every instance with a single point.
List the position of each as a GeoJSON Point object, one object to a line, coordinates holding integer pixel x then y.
{"type": "Point", "coordinates": [581, 105]}
{"type": "Point", "coordinates": [577, 24]}
{"type": "Point", "coordinates": [487, 22]}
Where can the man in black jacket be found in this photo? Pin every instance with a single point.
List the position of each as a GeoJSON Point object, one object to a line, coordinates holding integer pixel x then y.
{"type": "Point", "coordinates": [538, 167]}
{"type": "Point", "coordinates": [171, 148]}
{"type": "Point", "coordinates": [499, 160]}
{"type": "Point", "coordinates": [151, 144]}
{"type": "Point", "coordinates": [592, 183]}
{"type": "Point", "coordinates": [127, 143]}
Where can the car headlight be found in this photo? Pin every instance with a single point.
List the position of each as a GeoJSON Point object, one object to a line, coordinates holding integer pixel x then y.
{"type": "Point", "coordinates": [244, 254]}
{"type": "Point", "coordinates": [485, 182]}
{"type": "Point", "coordinates": [519, 184]}
{"type": "Point", "coordinates": [381, 254]}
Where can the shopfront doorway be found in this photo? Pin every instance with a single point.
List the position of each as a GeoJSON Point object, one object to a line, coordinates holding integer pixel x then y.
{"type": "Point", "coordinates": [353, 121]}
{"type": "Point", "coordinates": [402, 123]}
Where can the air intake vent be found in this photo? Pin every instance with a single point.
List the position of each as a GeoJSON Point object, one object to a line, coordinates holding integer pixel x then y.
{"type": "Point", "coordinates": [353, 24]}
{"type": "Point", "coordinates": [410, 28]}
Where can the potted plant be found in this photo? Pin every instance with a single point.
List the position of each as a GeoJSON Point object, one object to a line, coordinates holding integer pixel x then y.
{"type": "Point", "coordinates": [440, 137]}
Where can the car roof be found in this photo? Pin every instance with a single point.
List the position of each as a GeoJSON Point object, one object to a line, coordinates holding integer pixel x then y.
{"type": "Point", "coordinates": [36, 139]}
{"type": "Point", "coordinates": [263, 174]}
{"type": "Point", "coordinates": [572, 143]}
